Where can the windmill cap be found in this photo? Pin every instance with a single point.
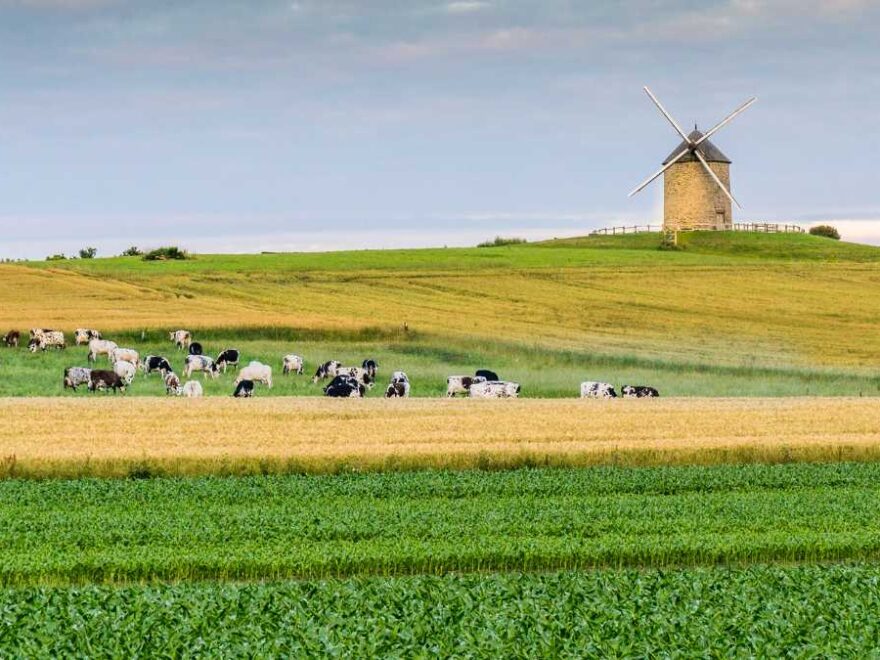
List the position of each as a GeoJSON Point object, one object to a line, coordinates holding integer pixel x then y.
{"type": "Point", "coordinates": [710, 152]}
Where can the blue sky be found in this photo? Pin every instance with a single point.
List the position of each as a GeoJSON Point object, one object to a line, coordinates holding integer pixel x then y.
{"type": "Point", "coordinates": [230, 125]}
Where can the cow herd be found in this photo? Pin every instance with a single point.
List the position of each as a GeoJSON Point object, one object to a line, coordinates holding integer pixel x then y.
{"type": "Point", "coordinates": [345, 381]}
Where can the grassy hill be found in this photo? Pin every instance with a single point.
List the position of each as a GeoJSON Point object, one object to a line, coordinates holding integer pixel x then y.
{"type": "Point", "coordinates": [725, 314]}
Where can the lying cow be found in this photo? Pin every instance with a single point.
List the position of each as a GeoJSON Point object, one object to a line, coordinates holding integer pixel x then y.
{"type": "Point", "coordinates": [256, 371]}
{"type": "Point", "coordinates": [153, 363]}
{"type": "Point", "coordinates": [85, 335]}
{"type": "Point", "coordinates": [371, 367]}
{"type": "Point", "coordinates": [203, 363]}
{"type": "Point", "coordinates": [292, 364]}
{"type": "Point", "coordinates": [461, 384]}
{"type": "Point", "coordinates": [101, 347]}
{"type": "Point", "coordinates": [594, 390]}
{"type": "Point", "coordinates": [326, 370]}
{"type": "Point", "coordinates": [358, 373]}
{"type": "Point", "coordinates": [101, 379]}
{"type": "Point", "coordinates": [398, 389]}
{"type": "Point", "coordinates": [488, 375]}
{"type": "Point", "coordinates": [228, 358]}
{"type": "Point", "coordinates": [180, 338]}
{"type": "Point", "coordinates": [76, 376]}
{"type": "Point", "coordinates": [244, 389]}
{"type": "Point", "coordinates": [45, 340]}
{"type": "Point", "coordinates": [399, 375]}
{"type": "Point", "coordinates": [125, 370]}
{"type": "Point", "coordinates": [494, 389]}
{"type": "Point", "coordinates": [344, 386]}
{"type": "Point", "coordinates": [196, 349]}
{"type": "Point", "coordinates": [12, 338]}
{"type": "Point", "coordinates": [192, 389]}
{"type": "Point", "coordinates": [638, 391]}
{"type": "Point", "coordinates": [172, 383]}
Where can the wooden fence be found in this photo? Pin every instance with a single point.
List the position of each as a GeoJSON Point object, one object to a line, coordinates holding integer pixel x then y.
{"type": "Point", "coordinates": [760, 227]}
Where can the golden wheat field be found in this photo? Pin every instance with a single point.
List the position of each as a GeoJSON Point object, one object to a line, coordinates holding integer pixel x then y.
{"type": "Point", "coordinates": [119, 436]}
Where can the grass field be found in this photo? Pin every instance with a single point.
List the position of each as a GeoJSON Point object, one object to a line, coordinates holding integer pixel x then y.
{"type": "Point", "coordinates": [109, 436]}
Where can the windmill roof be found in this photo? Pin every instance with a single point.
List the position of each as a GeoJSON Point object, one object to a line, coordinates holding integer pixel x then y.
{"type": "Point", "coordinates": [710, 152]}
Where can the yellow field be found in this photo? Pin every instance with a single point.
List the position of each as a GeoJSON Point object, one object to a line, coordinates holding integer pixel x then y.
{"type": "Point", "coordinates": [118, 436]}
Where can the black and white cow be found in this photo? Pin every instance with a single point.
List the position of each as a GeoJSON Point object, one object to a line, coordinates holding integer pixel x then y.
{"type": "Point", "coordinates": [203, 363]}
{"type": "Point", "coordinates": [158, 363]}
{"type": "Point", "coordinates": [371, 367]}
{"type": "Point", "coordinates": [595, 390]}
{"type": "Point", "coordinates": [195, 348]}
{"type": "Point", "coordinates": [397, 390]}
{"type": "Point", "coordinates": [47, 339]}
{"type": "Point", "coordinates": [76, 376]}
{"type": "Point", "coordinates": [172, 383]}
{"type": "Point", "coordinates": [487, 374]}
{"type": "Point", "coordinates": [101, 379]}
{"type": "Point", "coordinates": [85, 335]}
{"type": "Point", "coordinates": [244, 389]}
{"type": "Point", "coordinates": [494, 389]}
{"type": "Point", "coordinates": [326, 370]}
{"type": "Point", "coordinates": [345, 387]}
{"type": "Point", "coordinates": [461, 384]}
{"type": "Point", "coordinates": [638, 391]}
{"type": "Point", "coordinates": [228, 358]}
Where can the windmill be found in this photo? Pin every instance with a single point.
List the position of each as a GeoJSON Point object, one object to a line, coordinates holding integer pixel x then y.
{"type": "Point", "coordinates": [696, 181]}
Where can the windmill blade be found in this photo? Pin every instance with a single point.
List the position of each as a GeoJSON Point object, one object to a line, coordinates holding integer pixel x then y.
{"type": "Point", "coordinates": [668, 116]}
{"type": "Point", "coordinates": [717, 127]}
{"type": "Point", "coordinates": [715, 177]}
{"type": "Point", "coordinates": [672, 162]}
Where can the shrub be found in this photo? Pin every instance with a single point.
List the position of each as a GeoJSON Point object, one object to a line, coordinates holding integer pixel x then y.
{"type": "Point", "coordinates": [501, 241]}
{"type": "Point", "coordinates": [133, 251]}
{"type": "Point", "coordinates": [825, 230]}
{"type": "Point", "coordinates": [166, 254]}
{"type": "Point", "coordinates": [88, 253]}
{"type": "Point", "coordinates": [56, 257]}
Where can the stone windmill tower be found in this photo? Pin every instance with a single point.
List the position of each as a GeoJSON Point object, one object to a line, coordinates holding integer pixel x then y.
{"type": "Point", "coordinates": [696, 181]}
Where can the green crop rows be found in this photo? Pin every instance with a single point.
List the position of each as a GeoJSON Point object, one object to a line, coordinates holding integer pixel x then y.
{"type": "Point", "coordinates": [390, 524]}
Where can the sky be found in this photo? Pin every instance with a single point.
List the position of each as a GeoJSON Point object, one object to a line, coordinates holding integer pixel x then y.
{"type": "Point", "coordinates": [247, 125]}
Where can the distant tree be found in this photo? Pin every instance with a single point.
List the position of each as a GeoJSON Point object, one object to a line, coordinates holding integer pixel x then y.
{"type": "Point", "coordinates": [88, 253]}
{"type": "Point", "coordinates": [825, 230]}
{"type": "Point", "coordinates": [501, 241]}
{"type": "Point", "coordinates": [133, 251]}
{"type": "Point", "coordinates": [166, 254]}
{"type": "Point", "coordinates": [56, 257]}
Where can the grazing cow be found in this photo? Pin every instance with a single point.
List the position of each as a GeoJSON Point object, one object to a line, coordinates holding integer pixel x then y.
{"type": "Point", "coordinates": [244, 389]}
{"type": "Point", "coordinates": [172, 383]}
{"type": "Point", "coordinates": [153, 363]}
{"type": "Point", "coordinates": [344, 386]}
{"type": "Point", "coordinates": [101, 379]}
{"type": "Point", "coordinates": [201, 363]}
{"type": "Point", "coordinates": [292, 363]}
{"type": "Point", "coordinates": [326, 370]}
{"type": "Point", "coordinates": [494, 389]}
{"type": "Point", "coordinates": [12, 338]}
{"type": "Point", "coordinates": [192, 389]}
{"type": "Point", "coordinates": [488, 375]}
{"type": "Point", "coordinates": [76, 376]}
{"type": "Point", "coordinates": [398, 389]}
{"type": "Point", "coordinates": [181, 338]}
{"type": "Point", "coordinates": [85, 335]}
{"type": "Point", "coordinates": [50, 339]}
{"type": "Point", "coordinates": [358, 373]}
{"type": "Point", "coordinates": [638, 392]}
{"type": "Point", "coordinates": [196, 349]}
{"type": "Point", "coordinates": [101, 347]}
{"type": "Point", "coordinates": [371, 367]}
{"type": "Point", "coordinates": [594, 390]}
{"type": "Point", "coordinates": [461, 384]}
{"type": "Point", "coordinates": [124, 355]}
{"type": "Point", "coordinates": [228, 358]}
{"type": "Point", "coordinates": [36, 332]}
{"type": "Point", "coordinates": [125, 370]}
{"type": "Point", "coordinates": [256, 371]}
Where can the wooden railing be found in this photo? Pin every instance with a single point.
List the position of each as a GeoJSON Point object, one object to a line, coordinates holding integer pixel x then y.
{"type": "Point", "coordinates": [761, 227]}
{"type": "Point", "coordinates": [768, 228]}
{"type": "Point", "coordinates": [632, 229]}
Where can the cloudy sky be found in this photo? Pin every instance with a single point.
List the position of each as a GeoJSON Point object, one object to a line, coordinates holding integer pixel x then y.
{"type": "Point", "coordinates": [240, 125]}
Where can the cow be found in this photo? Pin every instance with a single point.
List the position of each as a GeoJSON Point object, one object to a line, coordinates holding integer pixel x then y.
{"type": "Point", "coordinates": [358, 373]}
{"type": "Point", "coordinates": [76, 376]}
{"type": "Point", "coordinates": [256, 371]}
{"type": "Point", "coordinates": [180, 338]}
{"type": "Point", "coordinates": [12, 338]}
{"type": "Point", "coordinates": [292, 363]}
{"type": "Point", "coordinates": [594, 390]}
{"type": "Point", "coordinates": [494, 389]}
{"type": "Point", "coordinates": [399, 375]}
{"type": "Point", "coordinates": [49, 339]}
{"type": "Point", "coordinates": [638, 392]}
{"type": "Point", "coordinates": [488, 375]}
{"type": "Point", "coordinates": [244, 389]}
{"type": "Point", "coordinates": [192, 389]}
{"type": "Point", "coordinates": [201, 363]}
{"type": "Point", "coordinates": [36, 332]}
{"type": "Point", "coordinates": [326, 370]}
{"type": "Point", "coordinates": [196, 349]}
{"type": "Point", "coordinates": [371, 367]}
{"type": "Point", "coordinates": [228, 358]}
{"type": "Point", "coordinates": [398, 389]}
{"type": "Point", "coordinates": [153, 363]}
{"type": "Point", "coordinates": [101, 347]}
{"type": "Point", "coordinates": [344, 386]}
{"type": "Point", "coordinates": [172, 383]}
{"type": "Point", "coordinates": [461, 384]}
{"type": "Point", "coordinates": [101, 379]}
{"type": "Point", "coordinates": [85, 335]}
{"type": "Point", "coordinates": [125, 370]}
{"type": "Point", "coordinates": [124, 355]}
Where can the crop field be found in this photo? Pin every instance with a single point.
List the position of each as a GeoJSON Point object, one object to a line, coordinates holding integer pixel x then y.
{"type": "Point", "coordinates": [109, 436]}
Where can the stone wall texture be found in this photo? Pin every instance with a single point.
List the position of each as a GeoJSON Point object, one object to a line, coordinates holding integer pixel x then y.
{"type": "Point", "coordinates": [692, 200]}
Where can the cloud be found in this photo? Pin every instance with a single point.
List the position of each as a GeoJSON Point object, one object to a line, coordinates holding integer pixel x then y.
{"type": "Point", "coordinates": [464, 6]}
{"type": "Point", "coordinates": [67, 5]}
